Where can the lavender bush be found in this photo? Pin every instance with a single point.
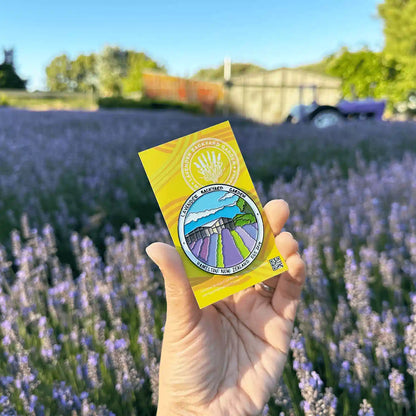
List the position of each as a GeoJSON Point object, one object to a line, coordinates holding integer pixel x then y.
{"type": "Point", "coordinates": [82, 308]}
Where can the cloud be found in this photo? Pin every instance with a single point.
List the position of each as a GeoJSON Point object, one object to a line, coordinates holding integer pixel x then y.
{"type": "Point", "coordinates": [226, 196]}
{"type": "Point", "coordinates": [195, 216]}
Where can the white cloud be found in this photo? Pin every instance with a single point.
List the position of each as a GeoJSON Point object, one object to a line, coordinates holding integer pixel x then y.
{"type": "Point", "coordinates": [226, 196]}
{"type": "Point", "coordinates": [195, 216]}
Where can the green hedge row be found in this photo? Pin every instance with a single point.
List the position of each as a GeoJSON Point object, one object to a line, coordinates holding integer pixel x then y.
{"type": "Point", "coordinates": [120, 102]}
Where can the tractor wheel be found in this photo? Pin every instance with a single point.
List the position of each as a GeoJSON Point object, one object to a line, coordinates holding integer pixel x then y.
{"type": "Point", "coordinates": [290, 119]}
{"type": "Point", "coordinates": [326, 116]}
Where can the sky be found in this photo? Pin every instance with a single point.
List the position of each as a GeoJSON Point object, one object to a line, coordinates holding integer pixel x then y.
{"type": "Point", "coordinates": [186, 36]}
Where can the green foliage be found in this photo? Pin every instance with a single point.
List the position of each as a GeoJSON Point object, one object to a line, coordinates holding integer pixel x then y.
{"type": "Point", "coordinates": [3, 100]}
{"type": "Point", "coordinates": [244, 207]}
{"type": "Point", "coordinates": [112, 72]}
{"type": "Point", "coordinates": [393, 71]}
{"type": "Point", "coordinates": [112, 66]}
{"type": "Point", "coordinates": [367, 72]}
{"type": "Point", "coordinates": [48, 100]}
{"type": "Point", "coordinates": [400, 44]}
{"type": "Point", "coordinates": [9, 78]}
{"type": "Point", "coordinates": [217, 74]}
{"type": "Point", "coordinates": [137, 63]}
{"type": "Point", "coordinates": [399, 27]}
{"type": "Point", "coordinates": [120, 102]}
{"type": "Point", "coordinates": [58, 74]}
{"type": "Point", "coordinates": [83, 72]}
{"type": "Point", "coordinates": [243, 219]}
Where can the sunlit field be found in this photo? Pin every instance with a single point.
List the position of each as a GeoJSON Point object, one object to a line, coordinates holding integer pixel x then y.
{"type": "Point", "coordinates": [82, 307]}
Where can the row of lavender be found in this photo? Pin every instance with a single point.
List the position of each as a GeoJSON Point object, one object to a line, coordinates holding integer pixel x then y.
{"type": "Point", "coordinates": [208, 249]}
{"type": "Point", "coordinates": [80, 170]}
{"type": "Point", "coordinates": [91, 345]}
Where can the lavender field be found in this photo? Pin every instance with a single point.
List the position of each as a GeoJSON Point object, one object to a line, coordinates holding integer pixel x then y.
{"type": "Point", "coordinates": [82, 307]}
{"type": "Point", "coordinates": [207, 249]}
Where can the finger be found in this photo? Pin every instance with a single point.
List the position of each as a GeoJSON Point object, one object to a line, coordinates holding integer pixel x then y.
{"type": "Point", "coordinates": [277, 213]}
{"type": "Point", "coordinates": [287, 294]}
{"type": "Point", "coordinates": [287, 246]}
{"type": "Point", "coordinates": [182, 308]}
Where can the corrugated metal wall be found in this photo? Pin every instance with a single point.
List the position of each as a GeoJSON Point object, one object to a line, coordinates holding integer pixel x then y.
{"type": "Point", "coordinates": [268, 97]}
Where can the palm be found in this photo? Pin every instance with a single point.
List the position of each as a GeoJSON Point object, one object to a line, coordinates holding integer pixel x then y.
{"type": "Point", "coordinates": [232, 364]}
{"type": "Point", "coordinates": [226, 358]}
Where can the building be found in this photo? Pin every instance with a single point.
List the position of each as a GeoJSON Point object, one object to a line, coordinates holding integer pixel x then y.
{"type": "Point", "coordinates": [214, 227]}
{"type": "Point", "coordinates": [267, 97]}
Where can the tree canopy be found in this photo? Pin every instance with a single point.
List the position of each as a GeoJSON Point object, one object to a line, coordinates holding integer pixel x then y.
{"type": "Point", "coordinates": [9, 78]}
{"type": "Point", "coordinates": [114, 71]}
{"type": "Point", "coordinates": [217, 74]}
{"type": "Point", "coordinates": [399, 27]}
{"type": "Point", "coordinates": [390, 73]}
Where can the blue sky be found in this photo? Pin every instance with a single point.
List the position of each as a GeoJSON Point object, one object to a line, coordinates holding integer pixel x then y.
{"type": "Point", "coordinates": [213, 200]}
{"type": "Point", "coordinates": [187, 35]}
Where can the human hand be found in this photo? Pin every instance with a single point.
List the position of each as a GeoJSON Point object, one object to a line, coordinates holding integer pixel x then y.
{"type": "Point", "coordinates": [227, 358]}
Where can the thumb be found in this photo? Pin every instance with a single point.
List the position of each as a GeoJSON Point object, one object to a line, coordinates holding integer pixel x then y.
{"type": "Point", "coordinates": [182, 308]}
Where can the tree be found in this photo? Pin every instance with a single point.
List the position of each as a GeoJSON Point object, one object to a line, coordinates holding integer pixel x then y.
{"type": "Point", "coordinates": [112, 66]}
{"type": "Point", "coordinates": [83, 72]}
{"type": "Point", "coordinates": [9, 78]}
{"type": "Point", "coordinates": [400, 43]}
{"type": "Point", "coordinates": [112, 72]}
{"type": "Point", "coordinates": [399, 27]}
{"type": "Point", "coordinates": [137, 62]}
{"type": "Point", "coordinates": [217, 74]}
{"type": "Point", "coordinates": [58, 74]}
{"type": "Point", "coordinates": [8, 75]}
{"type": "Point", "coordinates": [367, 71]}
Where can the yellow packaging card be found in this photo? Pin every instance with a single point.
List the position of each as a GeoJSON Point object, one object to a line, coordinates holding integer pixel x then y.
{"type": "Point", "coordinates": [213, 212]}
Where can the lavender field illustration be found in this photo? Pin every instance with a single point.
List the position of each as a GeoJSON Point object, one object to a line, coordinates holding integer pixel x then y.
{"type": "Point", "coordinates": [221, 229]}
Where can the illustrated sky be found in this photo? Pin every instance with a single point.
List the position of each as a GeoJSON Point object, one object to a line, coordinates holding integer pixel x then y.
{"type": "Point", "coordinates": [187, 35]}
{"type": "Point", "coordinates": [209, 204]}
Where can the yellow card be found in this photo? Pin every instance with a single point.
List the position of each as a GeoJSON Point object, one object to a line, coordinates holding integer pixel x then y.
{"type": "Point", "coordinates": [213, 213]}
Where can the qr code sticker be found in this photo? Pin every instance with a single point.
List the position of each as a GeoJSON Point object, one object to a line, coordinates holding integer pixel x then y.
{"type": "Point", "coordinates": [276, 263]}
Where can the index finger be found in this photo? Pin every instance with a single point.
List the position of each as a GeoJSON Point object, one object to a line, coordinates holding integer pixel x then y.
{"type": "Point", "coordinates": [277, 213]}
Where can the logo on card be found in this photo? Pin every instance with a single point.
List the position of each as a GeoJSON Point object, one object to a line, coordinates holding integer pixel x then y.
{"type": "Point", "coordinates": [209, 161]}
{"type": "Point", "coordinates": [220, 229]}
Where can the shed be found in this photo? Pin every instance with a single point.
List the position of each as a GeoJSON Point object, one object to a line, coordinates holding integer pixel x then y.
{"type": "Point", "coordinates": [267, 97]}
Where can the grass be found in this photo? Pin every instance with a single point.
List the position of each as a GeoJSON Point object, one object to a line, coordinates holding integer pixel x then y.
{"type": "Point", "coordinates": [220, 258]}
{"type": "Point", "coordinates": [240, 244]}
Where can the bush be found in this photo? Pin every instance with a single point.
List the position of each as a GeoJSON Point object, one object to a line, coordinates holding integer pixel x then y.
{"type": "Point", "coordinates": [147, 103]}
{"type": "Point", "coordinates": [3, 101]}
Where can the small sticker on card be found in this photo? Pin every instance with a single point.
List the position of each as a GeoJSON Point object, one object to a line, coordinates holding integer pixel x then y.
{"type": "Point", "coordinates": [213, 213]}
